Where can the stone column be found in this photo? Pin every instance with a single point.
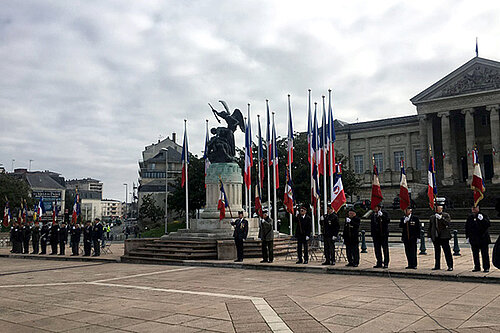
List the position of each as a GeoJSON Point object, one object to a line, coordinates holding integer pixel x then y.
{"type": "Point", "coordinates": [446, 140]}
{"type": "Point", "coordinates": [368, 157]}
{"type": "Point", "coordinates": [495, 140]}
{"type": "Point", "coordinates": [430, 135]}
{"type": "Point", "coordinates": [409, 154]}
{"type": "Point", "coordinates": [470, 139]}
{"type": "Point", "coordinates": [424, 147]}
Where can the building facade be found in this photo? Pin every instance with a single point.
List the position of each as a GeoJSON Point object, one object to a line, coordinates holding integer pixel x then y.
{"type": "Point", "coordinates": [90, 191]}
{"type": "Point", "coordinates": [112, 208]}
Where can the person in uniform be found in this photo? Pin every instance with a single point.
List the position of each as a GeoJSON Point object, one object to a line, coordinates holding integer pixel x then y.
{"type": "Point", "coordinates": [266, 236]}
{"type": "Point", "coordinates": [477, 234]}
{"type": "Point", "coordinates": [17, 238]}
{"type": "Point", "coordinates": [410, 225]}
{"type": "Point", "coordinates": [87, 239]}
{"type": "Point", "coordinates": [44, 237]}
{"type": "Point", "coordinates": [97, 232]}
{"type": "Point", "coordinates": [303, 228]}
{"type": "Point", "coordinates": [440, 234]}
{"type": "Point", "coordinates": [75, 232]}
{"type": "Point", "coordinates": [54, 237]}
{"type": "Point", "coordinates": [380, 234]}
{"type": "Point", "coordinates": [26, 236]}
{"type": "Point", "coordinates": [35, 237]}
{"type": "Point", "coordinates": [63, 238]}
{"type": "Point", "coordinates": [240, 234]}
{"type": "Point", "coordinates": [351, 238]}
{"type": "Point", "coordinates": [330, 226]}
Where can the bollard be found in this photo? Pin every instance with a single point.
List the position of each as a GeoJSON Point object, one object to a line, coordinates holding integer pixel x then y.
{"type": "Point", "coordinates": [363, 242]}
{"type": "Point", "coordinates": [456, 248]}
{"type": "Point", "coordinates": [423, 250]}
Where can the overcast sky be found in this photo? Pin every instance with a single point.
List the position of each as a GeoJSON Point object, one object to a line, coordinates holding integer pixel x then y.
{"type": "Point", "coordinates": [86, 85]}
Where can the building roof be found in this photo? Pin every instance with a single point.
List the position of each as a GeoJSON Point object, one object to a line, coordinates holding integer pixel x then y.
{"type": "Point", "coordinates": [42, 180]}
{"type": "Point", "coordinates": [341, 126]}
{"type": "Point", "coordinates": [173, 156]}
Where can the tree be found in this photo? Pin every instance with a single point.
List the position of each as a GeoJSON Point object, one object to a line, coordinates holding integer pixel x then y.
{"type": "Point", "coordinates": [14, 190]}
{"type": "Point", "coordinates": [150, 212]}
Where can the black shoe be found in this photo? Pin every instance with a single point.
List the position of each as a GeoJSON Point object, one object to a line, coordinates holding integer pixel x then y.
{"type": "Point", "coordinates": [270, 261]}
{"type": "Point", "coordinates": [414, 267]}
{"type": "Point", "coordinates": [332, 263]}
{"type": "Point", "coordinates": [306, 262]}
{"type": "Point", "coordinates": [436, 268]}
{"type": "Point", "coordinates": [408, 267]}
{"type": "Point", "coordinates": [52, 254]}
{"type": "Point", "coordinates": [299, 262]}
{"type": "Point", "coordinates": [325, 263]}
{"type": "Point", "coordinates": [450, 269]}
{"type": "Point", "coordinates": [262, 261]}
{"type": "Point", "coordinates": [486, 270]}
{"type": "Point", "coordinates": [349, 265]}
{"type": "Point", "coordinates": [377, 266]}
{"type": "Point", "coordinates": [355, 265]}
{"type": "Point", "coordinates": [385, 266]}
{"type": "Point", "coordinates": [476, 270]}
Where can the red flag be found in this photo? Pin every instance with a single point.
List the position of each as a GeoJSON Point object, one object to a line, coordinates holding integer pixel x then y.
{"type": "Point", "coordinates": [223, 203]}
{"type": "Point", "coordinates": [477, 184]}
{"type": "Point", "coordinates": [248, 152]}
{"type": "Point", "coordinates": [339, 198]}
{"type": "Point", "coordinates": [258, 204]}
{"type": "Point", "coordinates": [6, 214]}
{"type": "Point", "coordinates": [376, 190]}
{"type": "Point", "coordinates": [431, 187]}
{"type": "Point", "coordinates": [288, 200]}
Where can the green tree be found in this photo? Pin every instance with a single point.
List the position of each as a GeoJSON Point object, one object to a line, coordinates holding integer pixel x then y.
{"type": "Point", "coordinates": [149, 213]}
{"type": "Point", "coordinates": [14, 190]}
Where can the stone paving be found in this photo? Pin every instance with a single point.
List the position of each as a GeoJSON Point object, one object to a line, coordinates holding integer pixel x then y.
{"type": "Point", "coordinates": [67, 296]}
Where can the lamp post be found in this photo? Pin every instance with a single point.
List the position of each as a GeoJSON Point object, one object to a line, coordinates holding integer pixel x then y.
{"type": "Point", "coordinates": [126, 198]}
{"type": "Point", "coordinates": [165, 150]}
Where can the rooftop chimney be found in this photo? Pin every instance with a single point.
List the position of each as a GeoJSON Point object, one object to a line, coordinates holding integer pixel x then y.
{"type": "Point", "coordinates": [174, 136]}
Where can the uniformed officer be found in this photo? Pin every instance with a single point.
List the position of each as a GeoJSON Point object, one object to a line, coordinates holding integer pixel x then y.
{"type": "Point", "coordinates": [330, 226]}
{"type": "Point", "coordinates": [478, 236]}
{"type": "Point", "coordinates": [87, 239]}
{"type": "Point", "coordinates": [351, 238]}
{"type": "Point", "coordinates": [26, 237]}
{"type": "Point", "coordinates": [240, 233]}
{"type": "Point", "coordinates": [17, 238]}
{"type": "Point", "coordinates": [97, 232]}
{"type": "Point", "coordinates": [380, 234]}
{"type": "Point", "coordinates": [440, 234]}
{"type": "Point", "coordinates": [63, 238]}
{"type": "Point", "coordinates": [35, 237]}
{"type": "Point", "coordinates": [44, 237]}
{"type": "Point", "coordinates": [303, 229]}
{"type": "Point", "coordinates": [266, 236]}
{"type": "Point", "coordinates": [75, 232]}
{"type": "Point", "coordinates": [410, 225]}
{"type": "Point", "coordinates": [54, 237]}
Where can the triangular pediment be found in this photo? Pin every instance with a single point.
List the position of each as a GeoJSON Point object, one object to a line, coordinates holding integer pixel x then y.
{"type": "Point", "coordinates": [475, 76]}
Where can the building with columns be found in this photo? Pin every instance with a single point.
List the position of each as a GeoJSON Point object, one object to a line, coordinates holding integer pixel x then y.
{"type": "Point", "coordinates": [454, 115]}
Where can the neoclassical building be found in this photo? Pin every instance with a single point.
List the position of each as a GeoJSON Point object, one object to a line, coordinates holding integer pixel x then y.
{"type": "Point", "coordinates": [454, 115]}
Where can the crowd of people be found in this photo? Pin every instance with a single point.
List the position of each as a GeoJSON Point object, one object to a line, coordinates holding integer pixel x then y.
{"type": "Point", "coordinates": [42, 235]}
{"type": "Point", "coordinates": [476, 232]}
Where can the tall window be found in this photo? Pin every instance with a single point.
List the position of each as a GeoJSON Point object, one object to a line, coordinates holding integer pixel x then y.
{"type": "Point", "coordinates": [418, 160]}
{"type": "Point", "coordinates": [358, 164]}
{"type": "Point", "coordinates": [379, 161]}
{"type": "Point", "coordinates": [398, 156]}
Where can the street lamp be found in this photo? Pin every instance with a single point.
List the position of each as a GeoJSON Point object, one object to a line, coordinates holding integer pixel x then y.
{"type": "Point", "coordinates": [165, 150]}
{"type": "Point", "coordinates": [126, 198]}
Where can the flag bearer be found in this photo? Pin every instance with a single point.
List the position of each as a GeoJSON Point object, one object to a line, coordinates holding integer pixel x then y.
{"type": "Point", "coordinates": [75, 233]}
{"type": "Point", "coordinates": [87, 239]}
{"type": "Point", "coordinates": [44, 237]}
{"type": "Point", "coordinates": [35, 237]}
{"type": "Point", "coordinates": [303, 228]}
{"type": "Point", "coordinates": [266, 235]}
{"type": "Point", "coordinates": [240, 234]}
{"type": "Point", "coordinates": [351, 238]}
{"type": "Point", "coordinates": [330, 225]}
{"type": "Point", "coordinates": [410, 225]}
{"type": "Point", "coordinates": [476, 232]}
{"type": "Point", "coordinates": [380, 234]}
{"type": "Point", "coordinates": [439, 233]}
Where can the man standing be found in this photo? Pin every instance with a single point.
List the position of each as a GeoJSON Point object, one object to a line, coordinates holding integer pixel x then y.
{"type": "Point", "coordinates": [54, 237]}
{"type": "Point", "coordinates": [440, 235]}
{"type": "Point", "coordinates": [410, 226]}
{"type": "Point", "coordinates": [35, 237]}
{"type": "Point", "coordinates": [97, 233]}
{"type": "Point", "coordinates": [26, 236]}
{"type": "Point", "coordinates": [87, 239]}
{"type": "Point", "coordinates": [240, 233]}
{"type": "Point", "coordinates": [330, 226]}
{"type": "Point", "coordinates": [380, 234]}
{"type": "Point", "coordinates": [75, 233]}
{"type": "Point", "coordinates": [63, 238]}
{"type": "Point", "coordinates": [44, 236]}
{"type": "Point", "coordinates": [303, 227]}
{"type": "Point", "coordinates": [477, 234]}
{"type": "Point", "coordinates": [351, 238]}
{"type": "Point", "coordinates": [266, 236]}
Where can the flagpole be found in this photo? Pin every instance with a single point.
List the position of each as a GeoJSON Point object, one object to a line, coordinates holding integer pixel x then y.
{"type": "Point", "coordinates": [323, 134]}
{"type": "Point", "coordinates": [289, 169]}
{"type": "Point", "coordinates": [259, 157]}
{"type": "Point", "coordinates": [187, 182]}
{"type": "Point", "coordinates": [275, 212]}
{"type": "Point", "coordinates": [251, 162]}
{"type": "Point", "coordinates": [330, 128]}
{"type": "Point", "coordinates": [312, 170]}
{"type": "Point", "coordinates": [268, 136]}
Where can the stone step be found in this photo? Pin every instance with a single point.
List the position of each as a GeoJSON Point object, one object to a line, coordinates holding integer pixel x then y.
{"type": "Point", "coordinates": [175, 250]}
{"type": "Point", "coordinates": [176, 255]}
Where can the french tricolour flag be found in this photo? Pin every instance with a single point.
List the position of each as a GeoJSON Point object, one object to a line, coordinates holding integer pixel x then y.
{"type": "Point", "coordinates": [55, 212]}
{"type": "Point", "coordinates": [288, 200]}
{"type": "Point", "coordinates": [338, 199]}
{"type": "Point", "coordinates": [260, 157]}
{"type": "Point", "coordinates": [275, 157]}
{"type": "Point", "coordinates": [404, 195]}
{"type": "Point", "coordinates": [290, 135]}
{"type": "Point", "coordinates": [76, 209]}
{"type": "Point", "coordinates": [6, 214]}
{"type": "Point", "coordinates": [477, 184]}
{"type": "Point", "coordinates": [40, 209]}
{"type": "Point", "coordinates": [431, 187]}
{"type": "Point", "coordinates": [309, 130]}
{"type": "Point", "coordinates": [223, 203]}
{"type": "Point", "coordinates": [248, 152]}
{"type": "Point", "coordinates": [376, 197]}
{"type": "Point", "coordinates": [184, 157]}
{"type": "Point", "coordinates": [315, 155]}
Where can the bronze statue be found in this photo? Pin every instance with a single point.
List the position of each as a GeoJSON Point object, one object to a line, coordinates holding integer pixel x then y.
{"type": "Point", "coordinates": [221, 147]}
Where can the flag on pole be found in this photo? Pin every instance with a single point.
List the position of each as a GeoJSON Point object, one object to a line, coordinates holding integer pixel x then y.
{"type": "Point", "coordinates": [338, 199]}
{"type": "Point", "coordinates": [290, 135]}
{"type": "Point", "coordinates": [258, 202]}
{"type": "Point", "coordinates": [205, 153]}
{"type": "Point", "coordinates": [289, 200]}
{"type": "Point", "coordinates": [248, 152]}
{"type": "Point", "coordinates": [184, 158]}
{"type": "Point", "coordinates": [331, 133]}
{"type": "Point", "coordinates": [404, 195]}
{"type": "Point", "coordinates": [20, 216]}
{"type": "Point", "coordinates": [40, 209]}
{"type": "Point", "coordinates": [431, 188]}
{"type": "Point", "coordinates": [315, 155]}
{"type": "Point", "coordinates": [477, 184]}
{"type": "Point", "coordinates": [309, 129]}
{"type": "Point", "coordinates": [6, 214]}
{"type": "Point", "coordinates": [274, 151]}
{"type": "Point", "coordinates": [223, 203]}
{"type": "Point", "coordinates": [376, 197]}
{"type": "Point", "coordinates": [260, 157]}
{"type": "Point", "coordinates": [76, 209]}
{"type": "Point", "coordinates": [323, 147]}
{"type": "Point", "coordinates": [24, 211]}
{"type": "Point", "coordinates": [268, 136]}
{"type": "Point", "coordinates": [55, 213]}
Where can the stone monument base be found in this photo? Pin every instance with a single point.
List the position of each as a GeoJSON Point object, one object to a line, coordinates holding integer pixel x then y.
{"type": "Point", "coordinates": [213, 229]}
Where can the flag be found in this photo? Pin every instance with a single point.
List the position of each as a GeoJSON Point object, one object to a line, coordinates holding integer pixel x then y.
{"type": "Point", "coordinates": [260, 157]}
{"type": "Point", "coordinates": [331, 133]}
{"type": "Point", "coordinates": [76, 209]}
{"type": "Point", "coordinates": [274, 151]}
{"type": "Point", "coordinates": [404, 196]}
{"type": "Point", "coordinates": [20, 216]}
{"type": "Point", "coordinates": [431, 188]}
{"type": "Point", "coordinates": [268, 136]}
{"type": "Point", "coordinates": [24, 210]}
{"type": "Point", "coordinates": [309, 129]}
{"type": "Point", "coordinates": [55, 213]}
{"type": "Point", "coordinates": [322, 142]}
{"type": "Point", "coordinates": [248, 153]}
{"type": "Point", "coordinates": [40, 209]}
{"type": "Point", "coordinates": [338, 199]}
{"type": "Point", "coordinates": [6, 214]}
{"type": "Point", "coordinates": [184, 158]}
{"type": "Point", "coordinates": [477, 184]}
{"type": "Point", "coordinates": [288, 200]}
{"type": "Point", "coordinates": [258, 203]}
{"type": "Point", "coordinates": [223, 203]}
{"type": "Point", "coordinates": [376, 190]}
{"type": "Point", "coordinates": [205, 153]}
{"type": "Point", "coordinates": [290, 134]}
{"type": "Point", "coordinates": [315, 190]}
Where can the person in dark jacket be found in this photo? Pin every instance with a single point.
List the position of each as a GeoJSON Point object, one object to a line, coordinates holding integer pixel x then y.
{"type": "Point", "coordinates": [97, 232]}
{"type": "Point", "coordinates": [63, 238]}
{"type": "Point", "coordinates": [35, 237]}
{"type": "Point", "coordinates": [54, 237]}
{"type": "Point", "coordinates": [26, 237]}
{"type": "Point", "coordinates": [351, 238]}
{"type": "Point", "coordinates": [87, 239]}
{"type": "Point", "coordinates": [439, 233]}
{"type": "Point", "coordinates": [240, 234]}
{"type": "Point", "coordinates": [266, 236]}
{"type": "Point", "coordinates": [410, 226]}
{"type": "Point", "coordinates": [16, 238]}
{"type": "Point", "coordinates": [330, 226]}
{"type": "Point", "coordinates": [477, 234]}
{"type": "Point", "coordinates": [380, 234]}
{"type": "Point", "coordinates": [303, 228]}
{"type": "Point", "coordinates": [75, 232]}
{"type": "Point", "coordinates": [44, 237]}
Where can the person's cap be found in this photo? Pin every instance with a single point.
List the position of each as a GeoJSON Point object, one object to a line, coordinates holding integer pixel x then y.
{"type": "Point", "coordinates": [303, 208]}
{"type": "Point", "coordinates": [265, 211]}
{"type": "Point", "coordinates": [240, 212]}
{"type": "Point", "coordinates": [351, 210]}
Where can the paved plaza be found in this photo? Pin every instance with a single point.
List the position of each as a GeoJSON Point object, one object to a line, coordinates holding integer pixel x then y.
{"type": "Point", "coordinates": [68, 296]}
